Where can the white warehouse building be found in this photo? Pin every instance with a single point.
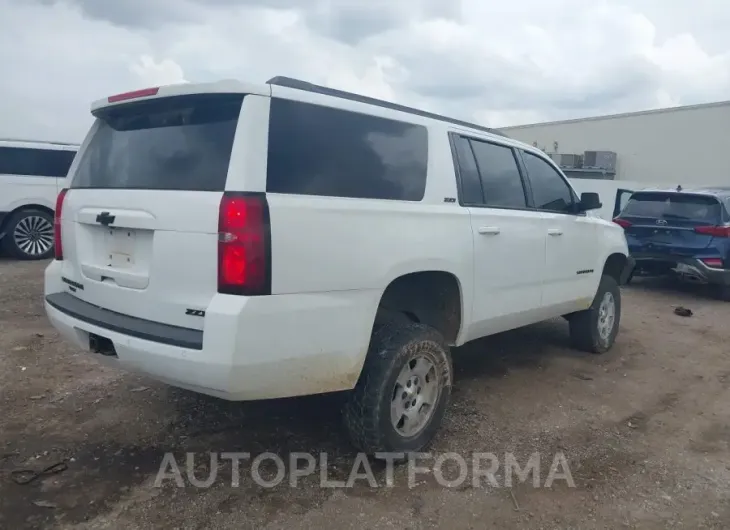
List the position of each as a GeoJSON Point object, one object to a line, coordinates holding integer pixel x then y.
{"type": "Point", "coordinates": [688, 146]}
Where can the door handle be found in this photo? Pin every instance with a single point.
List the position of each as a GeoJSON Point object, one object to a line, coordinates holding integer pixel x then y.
{"type": "Point", "coordinates": [555, 232]}
{"type": "Point", "coordinates": [489, 230]}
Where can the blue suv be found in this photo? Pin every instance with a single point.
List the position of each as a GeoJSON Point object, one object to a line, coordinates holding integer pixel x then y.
{"type": "Point", "coordinates": [681, 231]}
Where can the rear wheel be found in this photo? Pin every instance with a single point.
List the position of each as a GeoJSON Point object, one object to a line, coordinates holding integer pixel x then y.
{"type": "Point", "coordinates": [403, 392]}
{"type": "Point", "coordinates": [29, 235]}
{"type": "Point", "coordinates": [594, 330]}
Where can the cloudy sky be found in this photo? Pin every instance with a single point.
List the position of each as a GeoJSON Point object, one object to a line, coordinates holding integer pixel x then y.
{"type": "Point", "coordinates": [492, 61]}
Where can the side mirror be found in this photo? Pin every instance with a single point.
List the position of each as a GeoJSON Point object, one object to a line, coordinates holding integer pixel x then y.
{"type": "Point", "coordinates": [589, 201]}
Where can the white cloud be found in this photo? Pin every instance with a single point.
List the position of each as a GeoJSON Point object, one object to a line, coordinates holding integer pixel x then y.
{"type": "Point", "coordinates": [499, 63]}
{"type": "Point", "coordinates": [151, 72]}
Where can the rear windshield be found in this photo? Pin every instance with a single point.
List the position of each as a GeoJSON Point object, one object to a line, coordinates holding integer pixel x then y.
{"type": "Point", "coordinates": [176, 143]}
{"type": "Point", "coordinates": [674, 206]}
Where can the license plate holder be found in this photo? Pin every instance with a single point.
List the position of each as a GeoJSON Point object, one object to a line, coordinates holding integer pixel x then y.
{"type": "Point", "coordinates": [120, 245]}
{"type": "Point", "coordinates": [661, 236]}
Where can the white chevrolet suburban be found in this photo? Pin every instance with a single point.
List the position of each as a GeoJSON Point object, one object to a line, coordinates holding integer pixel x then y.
{"type": "Point", "coordinates": [253, 241]}
{"type": "Point", "coordinates": [30, 174]}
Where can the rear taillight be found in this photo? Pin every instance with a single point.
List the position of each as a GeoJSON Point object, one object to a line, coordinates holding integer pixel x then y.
{"type": "Point", "coordinates": [714, 231]}
{"type": "Point", "coordinates": [145, 92]}
{"type": "Point", "coordinates": [57, 243]}
{"type": "Point", "coordinates": [244, 245]}
{"type": "Point", "coordinates": [715, 263]}
{"type": "Point", "coordinates": [623, 223]}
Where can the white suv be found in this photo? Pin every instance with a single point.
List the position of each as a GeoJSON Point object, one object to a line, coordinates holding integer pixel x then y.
{"type": "Point", "coordinates": [31, 174]}
{"type": "Point", "coordinates": [253, 241]}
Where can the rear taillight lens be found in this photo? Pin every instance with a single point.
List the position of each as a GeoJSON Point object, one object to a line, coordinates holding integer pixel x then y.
{"type": "Point", "coordinates": [623, 223]}
{"type": "Point", "coordinates": [244, 245]}
{"type": "Point", "coordinates": [57, 243]}
{"type": "Point", "coordinates": [715, 263]}
{"type": "Point", "coordinates": [714, 231]}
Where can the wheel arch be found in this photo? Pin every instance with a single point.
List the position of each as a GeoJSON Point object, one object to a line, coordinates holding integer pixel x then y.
{"type": "Point", "coordinates": [432, 297]}
{"type": "Point", "coordinates": [614, 265]}
{"type": "Point", "coordinates": [22, 207]}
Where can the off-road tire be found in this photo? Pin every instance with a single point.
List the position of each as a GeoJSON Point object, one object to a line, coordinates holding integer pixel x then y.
{"type": "Point", "coordinates": [366, 411]}
{"type": "Point", "coordinates": [584, 333]}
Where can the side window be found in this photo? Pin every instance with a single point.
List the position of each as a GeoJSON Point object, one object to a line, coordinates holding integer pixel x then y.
{"type": "Point", "coordinates": [318, 150]}
{"type": "Point", "coordinates": [549, 190]}
{"type": "Point", "coordinates": [471, 188]}
{"type": "Point", "coordinates": [35, 162]}
{"type": "Point", "coordinates": [501, 180]}
{"type": "Point", "coordinates": [54, 163]}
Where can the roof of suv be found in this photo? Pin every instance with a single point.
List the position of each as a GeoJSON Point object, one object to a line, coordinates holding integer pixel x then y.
{"type": "Point", "coordinates": [288, 83]}
{"type": "Point", "coordinates": [230, 85]}
{"type": "Point", "coordinates": [310, 87]}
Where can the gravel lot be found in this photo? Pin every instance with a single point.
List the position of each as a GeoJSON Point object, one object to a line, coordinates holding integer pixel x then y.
{"type": "Point", "coordinates": [645, 430]}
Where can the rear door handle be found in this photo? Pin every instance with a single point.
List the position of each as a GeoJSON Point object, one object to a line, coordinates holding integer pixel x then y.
{"type": "Point", "coordinates": [489, 230]}
{"type": "Point", "coordinates": [555, 232]}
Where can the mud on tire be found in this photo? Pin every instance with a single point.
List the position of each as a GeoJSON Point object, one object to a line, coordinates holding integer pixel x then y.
{"type": "Point", "coordinates": [399, 349]}
{"type": "Point", "coordinates": [586, 326]}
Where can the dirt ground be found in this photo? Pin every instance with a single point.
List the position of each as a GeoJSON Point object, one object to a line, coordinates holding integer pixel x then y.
{"type": "Point", "coordinates": [645, 431]}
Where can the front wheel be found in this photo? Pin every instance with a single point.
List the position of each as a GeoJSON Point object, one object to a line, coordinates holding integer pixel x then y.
{"type": "Point", "coordinates": [594, 330]}
{"type": "Point", "coordinates": [29, 235]}
{"type": "Point", "coordinates": [401, 397]}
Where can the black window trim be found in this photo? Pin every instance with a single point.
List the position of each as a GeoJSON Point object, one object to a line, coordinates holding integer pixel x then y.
{"type": "Point", "coordinates": [527, 190]}
{"type": "Point", "coordinates": [453, 136]}
{"type": "Point", "coordinates": [552, 164]}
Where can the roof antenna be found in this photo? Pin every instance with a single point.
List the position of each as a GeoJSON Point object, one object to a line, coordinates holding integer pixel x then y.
{"type": "Point", "coordinates": [679, 187]}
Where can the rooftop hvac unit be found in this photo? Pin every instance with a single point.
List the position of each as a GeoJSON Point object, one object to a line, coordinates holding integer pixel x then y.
{"type": "Point", "coordinates": [605, 160]}
{"type": "Point", "coordinates": [567, 161]}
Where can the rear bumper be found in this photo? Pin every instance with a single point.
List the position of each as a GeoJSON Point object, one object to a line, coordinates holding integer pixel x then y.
{"type": "Point", "coordinates": [690, 267]}
{"type": "Point", "coordinates": [252, 348]}
{"type": "Point", "coordinates": [136, 327]}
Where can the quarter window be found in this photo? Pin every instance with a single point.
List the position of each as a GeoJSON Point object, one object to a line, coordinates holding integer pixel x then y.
{"type": "Point", "coordinates": [319, 150]}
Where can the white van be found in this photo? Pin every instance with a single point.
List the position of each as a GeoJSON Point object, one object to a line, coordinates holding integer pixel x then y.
{"type": "Point", "coordinates": [31, 176]}
{"type": "Point", "coordinates": [253, 241]}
